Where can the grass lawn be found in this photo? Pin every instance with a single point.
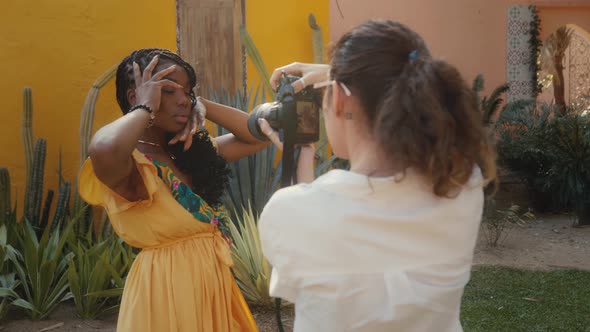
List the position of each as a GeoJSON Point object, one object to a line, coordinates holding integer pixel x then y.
{"type": "Point", "coordinates": [504, 299]}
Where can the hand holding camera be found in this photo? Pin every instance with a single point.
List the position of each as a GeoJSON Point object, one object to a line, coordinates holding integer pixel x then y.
{"type": "Point", "coordinates": [295, 115]}
{"type": "Point", "coordinates": [292, 120]}
{"type": "Point", "coordinates": [309, 73]}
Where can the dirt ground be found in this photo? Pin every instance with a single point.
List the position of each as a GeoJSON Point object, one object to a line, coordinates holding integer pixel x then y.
{"type": "Point", "coordinates": [65, 320]}
{"type": "Point", "coordinates": [548, 242]}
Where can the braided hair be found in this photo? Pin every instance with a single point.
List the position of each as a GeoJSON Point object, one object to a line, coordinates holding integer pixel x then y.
{"type": "Point", "coordinates": [209, 171]}
{"type": "Point", "coordinates": [143, 57]}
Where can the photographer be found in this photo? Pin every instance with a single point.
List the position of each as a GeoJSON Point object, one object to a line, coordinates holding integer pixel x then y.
{"type": "Point", "coordinates": [161, 187]}
{"type": "Point", "coordinates": [388, 245]}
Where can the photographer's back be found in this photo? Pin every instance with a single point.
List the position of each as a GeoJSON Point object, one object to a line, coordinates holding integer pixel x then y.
{"type": "Point", "coordinates": [372, 254]}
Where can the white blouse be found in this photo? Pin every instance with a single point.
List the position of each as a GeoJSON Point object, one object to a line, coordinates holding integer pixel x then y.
{"type": "Point", "coordinates": [371, 254]}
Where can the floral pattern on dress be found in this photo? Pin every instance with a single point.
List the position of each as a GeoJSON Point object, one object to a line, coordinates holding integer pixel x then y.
{"type": "Point", "coordinates": [193, 203]}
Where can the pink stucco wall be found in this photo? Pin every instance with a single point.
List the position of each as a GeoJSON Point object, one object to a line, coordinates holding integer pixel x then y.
{"type": "Point", "coordinates": [554, 17]}
{"type": "Point", "coordinates": [470, 34]}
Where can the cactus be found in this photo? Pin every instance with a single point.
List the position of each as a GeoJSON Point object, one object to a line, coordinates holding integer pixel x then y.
{"type": "Point", "coordinates": [27, 135]}
{"type": "Point", "coordinates": [318, 57]}
{"type": "Point", "coordinates": [86, 120]}
{"type": "Point", "coordinates": [60, 175]}
{"type": "Point", "coordinates": [46, 207]}
{"type": "Point", "coordinates": [318, 40]}
{"type": "Point", "coordinates": [4, 195]}
{"type": "Point", "coordinates": [87, 116]}
{"type": "Point", "coordinates": [35, 183]}
{"type": "Point", "coordinates": [63, 200]}
{"type": "Point", "coordinates": [27, 127]}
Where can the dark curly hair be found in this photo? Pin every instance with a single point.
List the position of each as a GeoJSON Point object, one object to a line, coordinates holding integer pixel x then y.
{"type": "Point", "coordinates": [209, 171]}
{"type": "Point", "coordinates": [420, 110]}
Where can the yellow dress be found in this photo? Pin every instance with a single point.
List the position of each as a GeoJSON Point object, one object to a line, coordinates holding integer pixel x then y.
{"type": "Point", "coordinates": [181, 280]}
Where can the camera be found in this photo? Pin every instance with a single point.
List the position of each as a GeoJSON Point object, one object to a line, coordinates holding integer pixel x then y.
{"type": "Point", "coordinates": [295, 116]}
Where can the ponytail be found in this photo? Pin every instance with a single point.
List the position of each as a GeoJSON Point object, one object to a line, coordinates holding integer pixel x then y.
{"type": "Point", "coordinates": [429, 120]}
{"type": "Point", "coordinates": [420, 110]}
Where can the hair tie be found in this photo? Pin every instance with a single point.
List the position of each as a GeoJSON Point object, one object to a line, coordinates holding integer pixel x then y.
{"type": "Point", "coordinates": [413, 56]}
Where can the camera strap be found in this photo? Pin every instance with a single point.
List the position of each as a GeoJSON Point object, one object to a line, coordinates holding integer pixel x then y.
{"type": "Point", "coordinates": [289, 125]}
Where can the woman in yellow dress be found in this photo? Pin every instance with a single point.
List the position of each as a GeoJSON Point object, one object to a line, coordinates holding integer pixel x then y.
{"type": "Point", "coordinates": [161, 187]}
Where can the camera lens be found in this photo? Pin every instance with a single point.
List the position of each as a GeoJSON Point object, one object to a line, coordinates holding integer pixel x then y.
{"type": "Point", "coordinates": [267, 111]}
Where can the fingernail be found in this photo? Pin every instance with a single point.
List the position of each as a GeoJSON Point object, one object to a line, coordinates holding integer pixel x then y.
{"type": "Point", "coordinates": [260, 121]}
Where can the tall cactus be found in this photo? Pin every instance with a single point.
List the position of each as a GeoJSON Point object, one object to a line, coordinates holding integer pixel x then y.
{"type": "Point", "coordinates": [4, 195]}
{"type": "Point", "coordinates": [317, 40]}
{"type": "Point", "coordinates": [319, 57]}
{"type": "Point", "coordinates": [27, 136]}
{"type": "Point", "coordinates": [46, 207]}
{"type": "Point", "coordinates": [86, 121]}
{"type": "Point", "coordinates": [35, 183]}
{"type": "Point", "coordinates": [63, 200]}
{"type": "Point", "coordinates": [60, 175]}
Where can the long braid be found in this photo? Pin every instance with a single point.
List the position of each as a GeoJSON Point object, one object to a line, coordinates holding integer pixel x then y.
{"type": "Point", "coordinates": [208, 170]}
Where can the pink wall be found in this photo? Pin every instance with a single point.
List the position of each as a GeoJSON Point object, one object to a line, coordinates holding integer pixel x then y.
{"type": "Point", "coordinates": [553, 18]}
{"type": "Point", "coordinates": [471, 34]}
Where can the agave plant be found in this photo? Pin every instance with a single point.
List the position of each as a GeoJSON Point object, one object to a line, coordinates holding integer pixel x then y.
{"type": "Point", "coordinates": [251, 269]}
{"type": "Point", "coordinates": [41, 268]}
{"type": "Point", "coordinates": [96, 275]}
{"type": "Point", "coordinates": [253, 178]}
{"type": "Point", "coordinates": [8, 281]}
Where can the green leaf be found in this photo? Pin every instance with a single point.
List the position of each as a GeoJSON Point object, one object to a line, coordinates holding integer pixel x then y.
{"type": "Point", "coordinates": [46, 275]}
{"type": "Point", "coordinates": [109, 310]}
{"type": "Point", "coordinates": [7, 292]}
{"type": "Point", "coordinates": [256, 58]}
{"type": "Point", "coordinates": [74, 282]}
{"type": "Point", "coordinates": [3, 235]}
{"type": "Point", "coordinates": [251, 269]}
{"type": "Point", "coordinates": [25, 305]}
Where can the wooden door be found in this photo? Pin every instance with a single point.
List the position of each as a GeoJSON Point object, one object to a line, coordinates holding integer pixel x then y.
{"type": "Point", "coordinates": [209, 39]}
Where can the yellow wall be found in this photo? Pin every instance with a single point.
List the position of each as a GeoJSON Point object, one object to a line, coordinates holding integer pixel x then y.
{"type": "Point", "coordinates": [59, 48]}
{"type": "Point", "coordinates": [281, 31]}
